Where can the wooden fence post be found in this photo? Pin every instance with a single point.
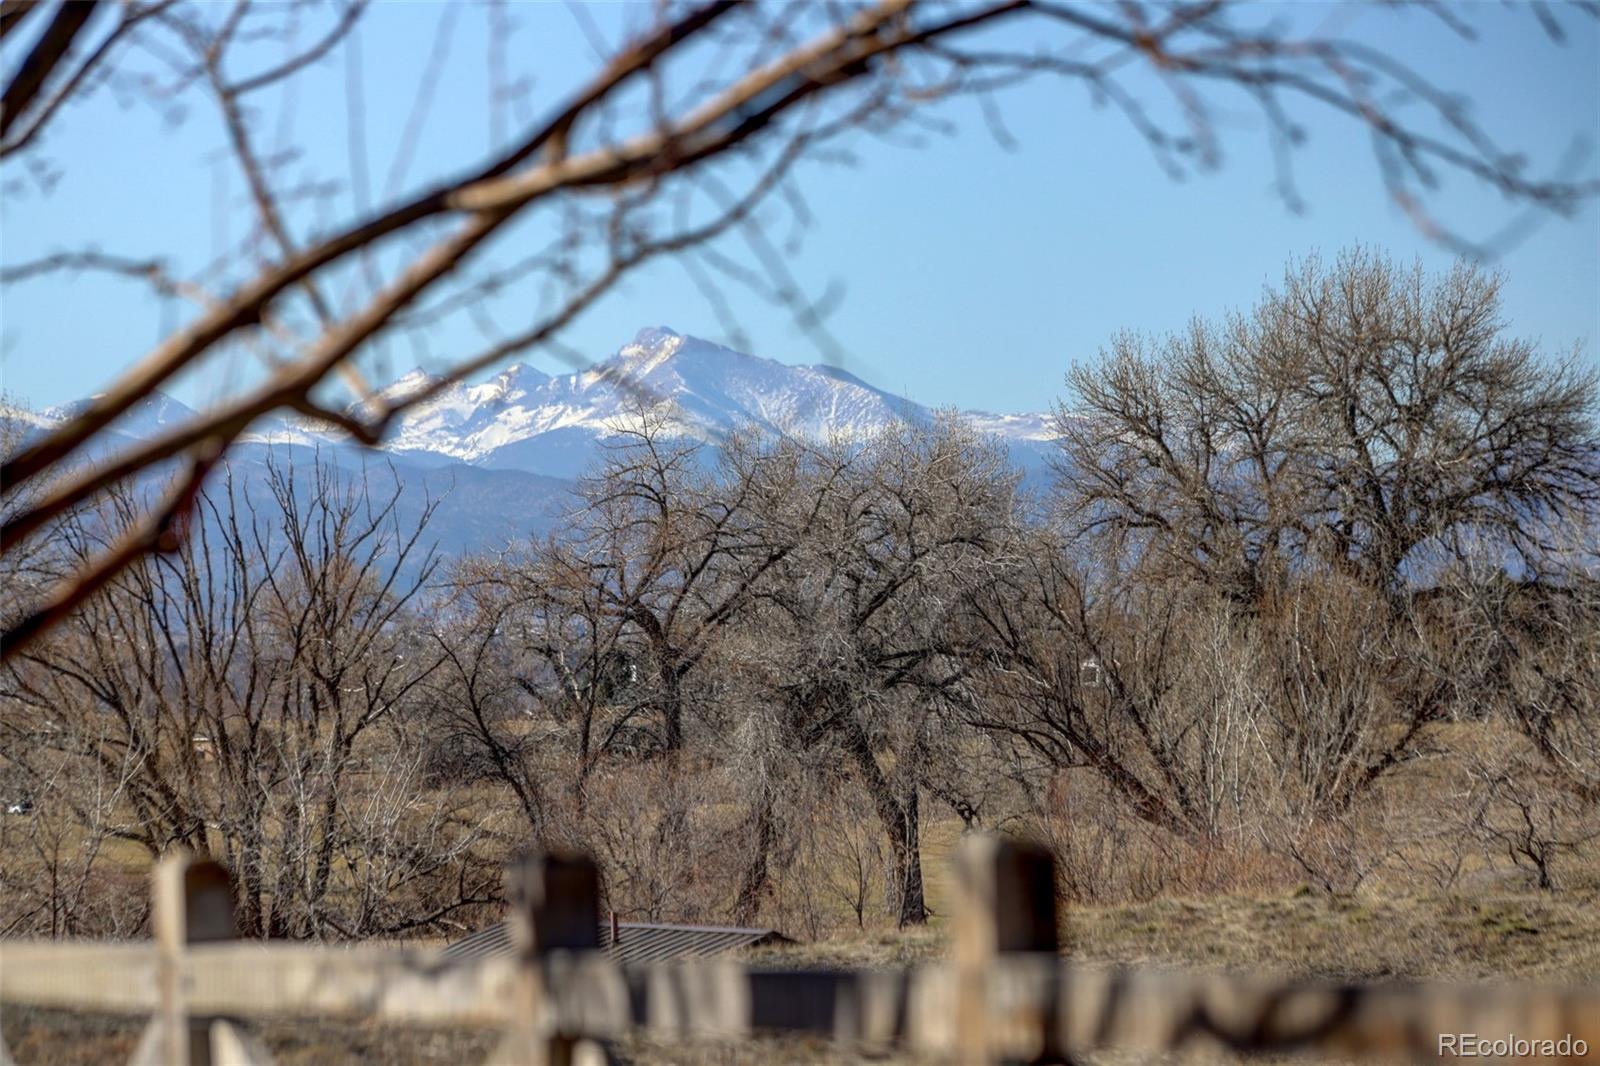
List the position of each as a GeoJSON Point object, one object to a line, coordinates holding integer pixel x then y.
{"type": "Point", "coordinates": [553, 905]}
{"type": "Point", "coordinates": [1005, 902]}
{"type": "Point", "coordinates": [192, 903]}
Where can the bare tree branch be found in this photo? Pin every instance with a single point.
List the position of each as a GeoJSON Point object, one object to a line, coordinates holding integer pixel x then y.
{"type": "Point", "coordinates": [47, 53]}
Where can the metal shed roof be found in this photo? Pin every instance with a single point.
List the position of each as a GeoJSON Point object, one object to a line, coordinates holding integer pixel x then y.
{"type": "Point", "coordinates": [636, 941]}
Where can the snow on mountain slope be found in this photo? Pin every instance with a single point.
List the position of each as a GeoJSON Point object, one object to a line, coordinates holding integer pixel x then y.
{"type": "Point", "coordinates": [505, 451]}
{"type": "Point", "coordinates": [144, 419]}
{"type": "Point", "coordinates": [717, 389]}
{"type": "Point", "coordinates": [525, 419]}
{"type": "Point", "coordinates": [1035, 427]}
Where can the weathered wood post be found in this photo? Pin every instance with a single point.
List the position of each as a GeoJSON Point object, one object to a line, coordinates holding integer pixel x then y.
{"type": "Point", "coordinates": [192, 903]}
{"type": "Point", "coordinates": [553, 905]}
{"type": "Point", "coordinates": [1005, 903]}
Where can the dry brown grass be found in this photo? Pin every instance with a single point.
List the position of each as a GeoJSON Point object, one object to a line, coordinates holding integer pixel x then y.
{"type": "Point", "coordinates": [1508, 935]}
{"type": "Point", "coordinates": [1521, 936]}
{"type": "Point", "coordinates": [69, 1038]}
{"type": "Point", "coordinates": [1396, 926]}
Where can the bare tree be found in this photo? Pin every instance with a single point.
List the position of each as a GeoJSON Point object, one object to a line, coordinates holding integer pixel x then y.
{"type": "Point", "coordinates": [1286, 547]}
{"type": "Point", "coordinates": [248, 697]}
{"type": "Point", "coordinates": [686, 132]}
{"type": "Point", "coordinates": [58, 873]}
{"type": "Point", "coordinates": [1086, 674]}
{"type": "Point", "coordinates": [1337, 464]}
{"type": "Point", "coordinates": [871, 657]}
{"type": "Point", "coordinates": [477, 723]}
{"type": "Point", "coordinates": [588, 652]}
{"type": "Point", "coordinates": [1362, 417]}
{"type": "Point", "coordinates": [538, 678]}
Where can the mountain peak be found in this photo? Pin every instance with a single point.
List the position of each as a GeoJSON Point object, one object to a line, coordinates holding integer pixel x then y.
{"type": "Point", "coordinates": [407, 385]}
{"type": "Point", "coordinates": [523, 418]}
{"type": "Point", "coordinates": [520, 376]}
{"type": "Point", "coordinates": [149, 413]}
{"type": "Point", "coordinates": [651, 348]}
{"type": "Point", "coordinates": [655, 337]}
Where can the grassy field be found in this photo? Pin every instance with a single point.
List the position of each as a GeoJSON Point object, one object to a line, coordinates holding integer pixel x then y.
{"type": "Point", "coordinates": [1523, 935]}
{"type": "Point", "coordinates": [1507, 935]}
{"type": "Point", "coordinates": [1492, 928]}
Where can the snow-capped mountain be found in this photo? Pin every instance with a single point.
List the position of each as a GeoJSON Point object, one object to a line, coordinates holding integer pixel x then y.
{"type": "Point", "coordinates": [506, 450]}
{"type": "Point", "coordinates": [144, 419]}
{"type": "Point", "coordinates": [525, 419]}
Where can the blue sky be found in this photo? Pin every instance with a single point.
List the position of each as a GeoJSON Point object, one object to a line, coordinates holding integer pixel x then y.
{"type": "Point", "coordinates": [971, 275]}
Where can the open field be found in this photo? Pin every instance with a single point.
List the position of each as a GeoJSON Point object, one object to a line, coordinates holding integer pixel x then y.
{"type": "Point", "coordinates": [1505, 933]}
{"type": "Point", "coordinates": [1490, 925]}
{"type": "Point", "coordinates": [1522, 936]}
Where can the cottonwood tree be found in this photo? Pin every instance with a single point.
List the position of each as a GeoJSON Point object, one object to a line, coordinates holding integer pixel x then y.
{"type": "Point", "coordinates": [1243, 599]}
{"type": "Point", "coordinates": [248, 696]}
{"type": "Point", "coordinates": [600, 642]}
{"type": "Point", "coordinates": [673, 553]}
{"type": "Point", "coordinates": [690, 140]}
{"type": "Point", "coordinates": [865, 655]}
{"type": "Point", "coordinates": [766, 494]}
{"type": "Point", "coordinates": [539, 679]}
{"type": "Point", "coordinates": [1365, 417]}
{"type": "Point", "coordinates": [1371, 431]}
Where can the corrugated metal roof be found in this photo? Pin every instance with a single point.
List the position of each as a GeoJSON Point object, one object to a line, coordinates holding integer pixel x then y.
{"type": "Point", "coordinates": [636, 941]}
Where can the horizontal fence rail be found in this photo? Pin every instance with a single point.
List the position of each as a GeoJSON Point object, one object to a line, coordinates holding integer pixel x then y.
{"type": "Point", "coordinates": [1005, 994]}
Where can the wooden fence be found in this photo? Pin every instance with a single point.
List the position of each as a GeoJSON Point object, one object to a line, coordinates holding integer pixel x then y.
{"type": "Point", "coordinates": [1005, 994]}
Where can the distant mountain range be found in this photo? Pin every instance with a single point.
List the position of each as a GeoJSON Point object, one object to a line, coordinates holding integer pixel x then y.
{"type": "Point", "coordinates": [504, 453]}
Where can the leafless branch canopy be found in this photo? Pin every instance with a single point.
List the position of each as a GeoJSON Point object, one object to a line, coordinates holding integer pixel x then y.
{"type": "Point", "coordinates": [689, 141]}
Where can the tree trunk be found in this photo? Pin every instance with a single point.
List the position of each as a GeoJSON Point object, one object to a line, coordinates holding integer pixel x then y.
{"type": "Point", "coordinates": [908, 863]}
{"type": "Point", "coordinates": [753, 885]}
{"type": "Point", "coordinates": [672, 713]}
{"type": "Point", "coordinates": [901, 824]}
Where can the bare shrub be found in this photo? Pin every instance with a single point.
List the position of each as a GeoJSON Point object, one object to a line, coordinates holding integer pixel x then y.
{"type": "Point", "coordinates": [653, 831]}
{"type": "Point", "coordinates": [1435, 831]}
{"type": "Point", "coordinates": [1535, 821]}
{"type": "Point", "coordinates": [854, 866]}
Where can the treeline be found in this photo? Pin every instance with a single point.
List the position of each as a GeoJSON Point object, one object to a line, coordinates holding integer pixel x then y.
{"type": "Point", "coordinates": [1314, 596]}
